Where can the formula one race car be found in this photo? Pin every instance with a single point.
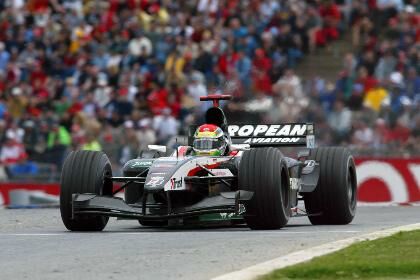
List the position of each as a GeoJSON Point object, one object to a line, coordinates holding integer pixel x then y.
{"type": "Point", "coordinates": [234, 174]}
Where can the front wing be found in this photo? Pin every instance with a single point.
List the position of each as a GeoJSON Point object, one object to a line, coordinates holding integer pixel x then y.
{"type": "Point", "coordinates": [226, 202]}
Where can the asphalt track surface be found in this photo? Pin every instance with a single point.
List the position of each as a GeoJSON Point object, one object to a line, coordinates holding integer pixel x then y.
{"type": "Point", "coordinates": [35, 245]}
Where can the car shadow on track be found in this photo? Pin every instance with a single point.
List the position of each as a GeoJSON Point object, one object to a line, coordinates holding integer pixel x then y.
{"type": "Point", "coordinates": [235, 228]}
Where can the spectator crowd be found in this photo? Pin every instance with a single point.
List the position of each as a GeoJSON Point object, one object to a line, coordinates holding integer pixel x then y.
{"type": "Point", "coordinates": [374, 103]}
{"type": "Point", "coordinates": [118, 75]}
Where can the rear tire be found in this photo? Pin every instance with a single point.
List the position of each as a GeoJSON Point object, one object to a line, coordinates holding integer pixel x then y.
{"type": "Point", "coordinates": [84, 172]}
{"type": "Point", "coordinates": [264, 172]}
{"type": "Point", "coordinates": [334, 198]}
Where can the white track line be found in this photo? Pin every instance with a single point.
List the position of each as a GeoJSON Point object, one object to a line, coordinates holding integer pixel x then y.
{"type": "Point", "coordinates": [260, 269]}
{"type": "Point", "coordinates": [322, 231]}
{"type": "Point", "coordinates": [260, 233]}
{"type": "Point", "coordinates": [151, 232]}
{"type": "Point", "coordinates": [30, 234]}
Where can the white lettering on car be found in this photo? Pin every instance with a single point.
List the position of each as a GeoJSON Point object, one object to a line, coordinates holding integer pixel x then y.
{"type": "Point", "coordinates": [260, 129]}
{"type": "Point", "coordinates": [284, 131]}
{"type": "Point", "coordinates": [272, 130]}
{"type": "Point", "coordinates": [155, 181]}
{"type": "Point", "coordinates": [271, 140]}
{"type": "Point", "coordinates": [267, 130]}
{"type": "Point", "coordinates": [233, 129]}
{"type": "Point", "coordinates": [298, 130]}
{"type": "Point", "coordinates": [246, 130]}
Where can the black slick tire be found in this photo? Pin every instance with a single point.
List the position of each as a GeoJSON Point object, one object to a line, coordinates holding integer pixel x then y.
{"type": "Point", "coordinates": [333, 201]}
{"type": "Point", "coordinates": [264, 172]}
{"type": "Point", "coordinates": [84, 172]}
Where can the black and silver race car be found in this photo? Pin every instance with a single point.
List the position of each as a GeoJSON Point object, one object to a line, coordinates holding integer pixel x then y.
{"type": "Point", "coordinates": [253, 183]}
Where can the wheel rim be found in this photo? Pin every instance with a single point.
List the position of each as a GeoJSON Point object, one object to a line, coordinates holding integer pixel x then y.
{"type": "Point", "coordinates": [351, 189]}
{"type": "Point", "coordinates": [284, 192]}
{"type": "Point", "coordinates": [284, 197]}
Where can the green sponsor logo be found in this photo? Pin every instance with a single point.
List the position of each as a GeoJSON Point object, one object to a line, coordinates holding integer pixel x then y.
{"type": "Point", "coordinates": [141, 163]}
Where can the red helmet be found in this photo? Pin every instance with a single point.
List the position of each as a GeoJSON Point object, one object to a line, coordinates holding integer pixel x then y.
{"type": "Point", "coordinates": [209, 140]}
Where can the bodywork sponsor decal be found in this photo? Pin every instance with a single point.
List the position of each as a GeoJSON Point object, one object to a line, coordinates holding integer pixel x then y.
{"type": "Point", "coordinates": [271, 140]}
{"type": "Point", "coordinates": [295, 183]}
{"type": "Point", "coordinates": [190, 167]}
{"type": "Point", "coordinates": [297, 134]}
{"type": "Point", "coordinates": [271, 130]}
{"type": "Point", "coordinates": [221, 172]}
{"type": "Point", "coordinates": [141, 163]}
{"type": "Point", "coordinates": [155, 181]}
{"type": "Point", "coordinates": [163, 165]}
{"type": "Point", "coordinates": [176, 184]}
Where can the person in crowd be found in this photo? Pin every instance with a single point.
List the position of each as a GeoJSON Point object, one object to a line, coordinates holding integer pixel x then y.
{"type": "Point", "coordinates": [83, 70]}
{"type": "Point", "coordinates": [376, 97]}
{"type": "Point", "coordinates": [243, 66]}
{"type": "Point", "coordinates": [340, 121]}
{"type": "Point", "coordinates": [58, 141]}
{"type": "Point", "coordinates": [14, 157]}
{"type": "Point", "coordinates": [385, 66]}
{"type": "Point", "coordinates": [130, 147]}
{"type": "Point", "coordinates": [363, 135]}
{"type": "Point", "coordinates": [412, 83]}
{"type": "Point", "coordinates": [91, 143]}
{"type": "Point", "coordinates": [145, 134]}
{"type": "Point", "coordinates": [166, 126]}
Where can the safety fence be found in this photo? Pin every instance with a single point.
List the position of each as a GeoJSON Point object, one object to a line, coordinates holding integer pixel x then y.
{"type": "Point", "coordinates": [389, 181]}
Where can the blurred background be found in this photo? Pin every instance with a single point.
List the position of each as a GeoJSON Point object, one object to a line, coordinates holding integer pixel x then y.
{"type": "Point", "coordinates": [118, 75]}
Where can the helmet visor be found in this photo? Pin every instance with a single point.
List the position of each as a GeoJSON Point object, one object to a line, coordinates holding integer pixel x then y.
{"type": "Point", "coordinates": [205, 144]}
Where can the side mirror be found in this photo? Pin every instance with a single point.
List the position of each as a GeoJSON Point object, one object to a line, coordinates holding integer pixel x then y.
{"type": "Point", "coordinates": [240, 147]}
{"type": "Point", "coordinates": [158, 148]}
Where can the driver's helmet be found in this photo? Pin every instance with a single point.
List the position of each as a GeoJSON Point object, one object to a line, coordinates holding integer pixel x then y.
{"type": "Point", "coordinates": [209, 140]}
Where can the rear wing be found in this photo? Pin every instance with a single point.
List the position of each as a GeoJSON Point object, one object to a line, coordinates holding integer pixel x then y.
{"type": "Point", "coordinates": [269, 135]}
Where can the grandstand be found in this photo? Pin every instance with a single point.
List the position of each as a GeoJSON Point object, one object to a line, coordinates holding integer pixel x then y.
{"type": "Point", "coordinates": [119, 75]}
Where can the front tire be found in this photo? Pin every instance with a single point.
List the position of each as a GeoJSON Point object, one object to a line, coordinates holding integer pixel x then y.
{"type": "Point", "coordinates": [264, 172]}
{"type": "Point", "coordinates": [333, 201]}
{"type": "Point", "coordinates": [84, 172]}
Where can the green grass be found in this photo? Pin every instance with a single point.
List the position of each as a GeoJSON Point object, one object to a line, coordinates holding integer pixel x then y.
{"type": "Point", "coordinates": [394, 257]}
